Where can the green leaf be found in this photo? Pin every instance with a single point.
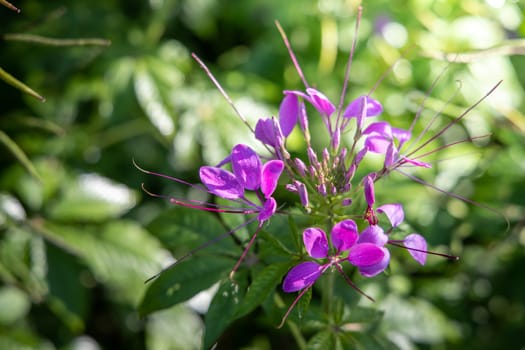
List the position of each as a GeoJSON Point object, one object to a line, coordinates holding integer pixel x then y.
{"type": "Point", "coordinates": [183, 281]}
{"type": "Point", "coordinates": [299, 312]}
{"type": "Point", "coordinates": [262, 286]}
{"type": "Point", "coordinates": [150, 99]}
{"type": "Point", "coordinates": [120, 254]}
{"type": "Point", "coordinates": [14, 305]}
{"type": "Point", "coordinates": [93, 198]}
{"type": "Point", "coordinates": [223, 307]}
{"type": "Point", "coordinates": [67, 300]}
{"type": "Point", "coordinates": [321, 341]}
{"type": "Point", "coordinates": [418, 319]}
{"type": "Point", "coordinates": [176, 328]}
{"type": "Point", "coordinates": [181, 229]}
{"type": "Point", "coordinates": [368, 340]}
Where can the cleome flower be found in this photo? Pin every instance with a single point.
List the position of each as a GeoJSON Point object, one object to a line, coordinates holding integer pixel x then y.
{"type": "Point", "coordinates": [248, 174]}
{"type": "Point", "coordinates": [346, 246]}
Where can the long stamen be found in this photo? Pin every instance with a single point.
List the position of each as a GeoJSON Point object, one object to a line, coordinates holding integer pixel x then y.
{"type": "Point", "coordinates": [193, 204]}
{"type": "Point", "coordinates": [205, 245]}
{"type": "Point", "coordinates": [283, 320]}
{"type": "Point", "coordinates": [451, 257]}
{"type": "Point", "coordinates": [422, 106]}
{"type": "Point", "coordinates": [348, 66]}
{"type": "Point", "coordinates": [457, 119]}
{"type": "Point", "coordinates": [431, 122]}
{"type": "Point", "coordinates": [347, 279]}
{"type": "Point", "coordinates": [164, 176]}
{"type": "Point", "coordinates": [222, 91]}
{"type": "Point", "coordinates": [403, 54]}
{"type": "Point", "coordinates": [292, 55]}
{"type": "Point", "coordinates": [243, 255]}
{"type": "Point", "coordinates": [457, 196]}
{"type": "Point", "coordinates": [470, 139]}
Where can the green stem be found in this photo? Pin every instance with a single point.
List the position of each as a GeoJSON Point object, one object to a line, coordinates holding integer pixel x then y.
{"type": "Point", "coordinates": [328, 294]}
{"type": "Point", "coordinates": [328, 281]}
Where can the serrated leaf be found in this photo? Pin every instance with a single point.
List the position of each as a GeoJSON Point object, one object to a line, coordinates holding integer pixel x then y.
{"type": "Point", "coordinates": [183, 281]}
{"type": "Point", "coordinates": [222, 308]}
{"type": "Point", "coordinates": [262, 286]}
{"type": "Point", "coordinates": [321, 341]}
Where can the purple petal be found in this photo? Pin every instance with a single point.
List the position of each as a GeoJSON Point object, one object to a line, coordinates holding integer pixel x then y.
{"type": "Point", "coordinates": [320, 102]}
{"type": "Point", "coordinates": [394, 213]}
{"type": "Point", "coordinates": [221, 182]}
{"type": "Point", "coordinates": [268, 132]}
{"type": "Point", "coordinates": [303, 193]}
{"type": "Point", "coordinates": [368, 183]}
{"type": "Point", "coordinates": [315, 242]}
{"type": "Point", "coordinates": [416, 162]}
{"type": "Point", "coordinates": [402, 135]}
{"type": "Point", "coordinates": [303, 117]}
{"type": "Point", "coordinates": [269, 208]}
{"type": "Point", "coordinates": [270, 176]}
{"type": "Point", "coordinates": [416, 241]}
{"type": "Point", "coordinates": [288, 113]}
{"type": "Point", "coordinates": [302, 276]}
{"type": "Point", "coordinates": [365, 254]}
{"type": "Point", "coordinates": [360, 155]}
{"type": "Point", "coordinates": [382, 128]}
{"type": "Point", "coordinates": [344, 235]}
{"type": "Point", "coordinates": [373, 234]}
{"type": "Point", "coordinates": [372, 270]}
{"type": "Point", "coordinates": [355, 108]}
{"type": "Point", "coordinates": [390, 155]}
{"type": "Point", "coordinates": [246, 165]}
{"type": "Point", "coordinates": [377, 144]}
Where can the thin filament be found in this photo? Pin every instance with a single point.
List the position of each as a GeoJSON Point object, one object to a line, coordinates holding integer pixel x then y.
{"type": "Point", "coordinates": [222, 91]}
{"type": "Point", "coordinates": [451, 257]}
{"type": "Point", "coordinates": [243, 255]}
{"type": "Point", "coordinates": [292, 55]}
{"type": "Point", "coordinates": [285, 317]}
{"type": "Point", "coordinates": [349, 65]}
{"type": "Point", "coordinates": [199, 248]}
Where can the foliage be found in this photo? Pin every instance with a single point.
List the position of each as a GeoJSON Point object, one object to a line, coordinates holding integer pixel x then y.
{"type": "Point", "coordinates": [79, 237]}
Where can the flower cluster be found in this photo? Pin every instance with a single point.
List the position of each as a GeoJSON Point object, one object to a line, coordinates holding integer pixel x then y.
{"type": "Point", "coordinates": [329, 183]}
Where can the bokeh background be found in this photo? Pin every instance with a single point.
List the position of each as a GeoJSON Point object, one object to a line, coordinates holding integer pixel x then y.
{"type": "Point", "coordinates": [76, 239]}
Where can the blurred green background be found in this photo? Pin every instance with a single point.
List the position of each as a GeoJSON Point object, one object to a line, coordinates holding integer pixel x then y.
{"type": "Point", "coordinates": [76, 242]}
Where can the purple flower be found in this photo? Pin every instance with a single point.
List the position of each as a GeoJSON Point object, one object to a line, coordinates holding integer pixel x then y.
{"type": "Point", "coordinates": [374, 234]}
{"type": "Point", "coordinates": [344, 237]}
{"type": "Point", "coordinates": [248, 174]}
